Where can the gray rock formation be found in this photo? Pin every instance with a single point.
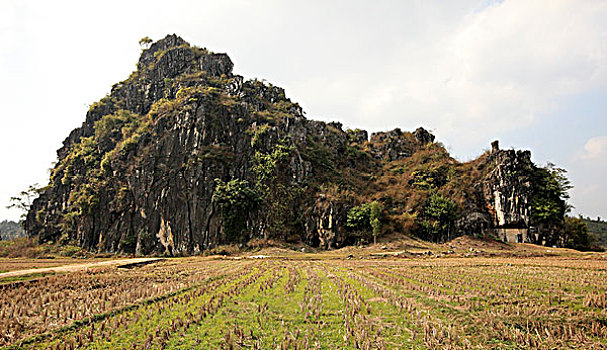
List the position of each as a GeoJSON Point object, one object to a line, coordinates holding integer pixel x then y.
{"type": "Point", "coordinates": [508, 188]}
{"type": "Point", "coordinates": [395, 144]}
{"type": "Point", "coordinates": [141, 175]}
{"type": "Point", "coordinates": [325, 223]}
{"type": "Point", "coordinates": [153, 192]}
{"type": "Point", "coordinates": [358, 136]}
{"type": "Point", "coordinates": [423, 136]}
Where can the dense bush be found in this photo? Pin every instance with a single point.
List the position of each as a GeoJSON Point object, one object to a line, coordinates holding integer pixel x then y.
{"type": "Point", "coordinates": [235, 200]}
{"type": "Point", "coordinates": [549, 202]}
{"type": "Point", "coordinates": [576, 235]}
{"type": "Point", "coordinates": [437, 221]}
{"type": "Point", "coordinates": [276, 189]}
{"type": "Point", "coordinates": [428, 178]}
{"type": "Point", "coordinates": [365, 219]}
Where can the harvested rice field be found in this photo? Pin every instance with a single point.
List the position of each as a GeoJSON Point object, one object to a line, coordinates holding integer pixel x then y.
{"type": "Point", "coordinates": [338, 303]}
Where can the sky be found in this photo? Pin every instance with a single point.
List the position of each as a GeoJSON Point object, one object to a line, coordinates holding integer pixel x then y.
{"type": "Point", "coordinates": [532, 74]}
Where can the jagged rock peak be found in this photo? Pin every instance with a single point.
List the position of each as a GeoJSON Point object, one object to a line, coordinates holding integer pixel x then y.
{"type": "Point", "coordinates": [172, 56]}
{"type": "Point", "coordinates": [423, 136]}
{"type": "Point", "coordinates": [170, 41]}
{"type": "Point", "coordinates": [396, 144]}
{"type": "Point", "coordinates": [495, 146]}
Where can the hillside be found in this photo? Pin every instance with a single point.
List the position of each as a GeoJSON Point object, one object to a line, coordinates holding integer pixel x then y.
{"type": "Point", "coordinates": [185, 155]}
{"type": "Point", "coordinates": [10, 230]}
{"type": "Point", "coordinates": [598, 229]}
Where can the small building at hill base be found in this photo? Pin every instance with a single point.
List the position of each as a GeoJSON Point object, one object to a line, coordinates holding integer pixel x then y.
{"type": "Point", "coordinates": [512, 235]}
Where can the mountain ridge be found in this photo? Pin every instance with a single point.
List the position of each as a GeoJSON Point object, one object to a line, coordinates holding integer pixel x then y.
{"type": "Point", "coordinates": [184, 155]}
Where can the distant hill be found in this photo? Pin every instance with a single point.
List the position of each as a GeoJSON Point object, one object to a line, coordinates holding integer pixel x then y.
{"type": "Point", "coordinates": [598, 228]}
{"type": "Point", "coordinates": [10, 230]}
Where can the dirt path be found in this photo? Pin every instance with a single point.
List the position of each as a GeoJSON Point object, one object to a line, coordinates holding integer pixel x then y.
{"type": "Point", "coordinates": [78, 267]}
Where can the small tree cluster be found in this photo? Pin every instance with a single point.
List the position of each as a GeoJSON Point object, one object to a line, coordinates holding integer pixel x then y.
{"type": "Point", "coordinates": [437, 220]}
{"type": "Point", "coordinates": [576, 235]}
{"type": "Point", "coordinates": [276, 189]}
{"type": "Point", "coordinates": [365, 219]}
{"type": "Point", "coordinates": [145, 42]}
{"type": "Point", "coordinates": [549, 202]}
{"type": "Point", "coordinates": [235, 200]}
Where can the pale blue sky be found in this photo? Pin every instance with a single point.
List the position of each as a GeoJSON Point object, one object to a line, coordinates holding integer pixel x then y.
{"type": "Point", "coordinates": [530, 73]}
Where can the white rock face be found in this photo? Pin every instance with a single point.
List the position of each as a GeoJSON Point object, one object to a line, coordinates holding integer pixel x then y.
{"type": "Point", "coordinates": [508, 189]}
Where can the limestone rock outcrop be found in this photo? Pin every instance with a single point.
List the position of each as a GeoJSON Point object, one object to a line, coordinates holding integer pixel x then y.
{"type": "Point", "coordinates": [395, 144]}
{"type": "Point", "coordinates": [185, 155]}
{"type": "Point", "coordinates": [508, 188]}
{"type": "Point", "coordinates": [325, 223]}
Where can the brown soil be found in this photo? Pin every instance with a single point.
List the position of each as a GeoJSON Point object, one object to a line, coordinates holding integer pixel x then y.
{"type": "Point", "coordinates": [75, 267]}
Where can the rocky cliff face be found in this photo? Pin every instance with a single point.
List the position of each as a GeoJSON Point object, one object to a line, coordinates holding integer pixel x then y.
{"type": "Point", "coordinates": [508, 188]}
{"type": "Point", "coordinates": [184, 155]}
{"type": "Point", "coordinates": [325, 224]}
{"type": "Point", "coordinates": [501, 192]}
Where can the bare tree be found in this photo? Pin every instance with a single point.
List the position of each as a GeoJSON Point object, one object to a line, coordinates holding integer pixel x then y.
{"type": "Point", "coordinates": [23, 201]}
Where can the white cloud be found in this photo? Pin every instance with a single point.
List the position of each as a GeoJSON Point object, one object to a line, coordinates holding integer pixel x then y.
{"type": "Point", "coordinates": [595, 149]}
{"type": "Point", "coordinates": [504, 67]}
{"type": "Point", "coordinates": [481, 73]}
{"type": "Point", "coordinates": [587, 173]}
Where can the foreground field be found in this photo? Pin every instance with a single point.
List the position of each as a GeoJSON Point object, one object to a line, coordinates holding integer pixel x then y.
{"type": "Point", "coordinates": [447, 303]}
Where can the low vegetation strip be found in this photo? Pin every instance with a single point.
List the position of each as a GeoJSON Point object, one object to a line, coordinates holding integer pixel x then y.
{"type": "Point", "coordinates": [11, 282]}
{"type": "Point", "coordinates": [465, 303]}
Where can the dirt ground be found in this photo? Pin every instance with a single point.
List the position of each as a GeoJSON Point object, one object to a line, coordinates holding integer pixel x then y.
{"type": "Point", "coordinates": [69, 266]}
